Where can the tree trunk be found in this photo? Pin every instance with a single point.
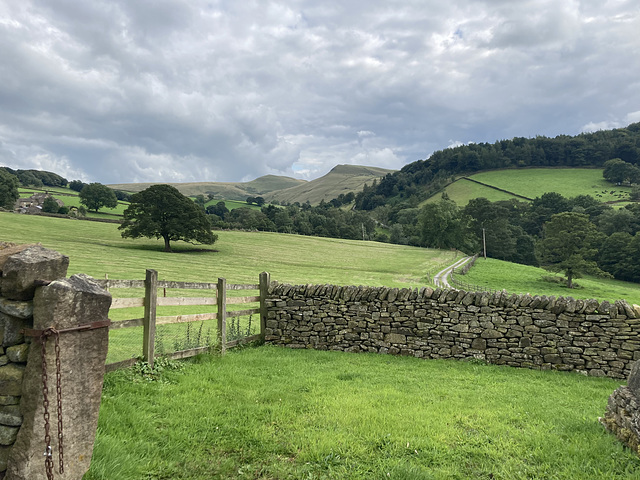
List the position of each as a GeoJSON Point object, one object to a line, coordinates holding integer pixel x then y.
{"type": "Point", "coordinates": [569, 279]}
{"type": "Point", "coordinates": [167, 247]}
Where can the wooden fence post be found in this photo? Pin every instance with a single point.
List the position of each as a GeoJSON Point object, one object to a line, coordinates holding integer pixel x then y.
{"type": "Point", "coordinates": [222, 314]}
{"type": "Point", "coordinates": [265, 280]}
{"type": "Point", "coordinates": [150, 306]}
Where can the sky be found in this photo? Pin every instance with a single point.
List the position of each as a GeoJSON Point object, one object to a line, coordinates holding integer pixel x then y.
{"type": "Point", "coordinates": [121, 91]}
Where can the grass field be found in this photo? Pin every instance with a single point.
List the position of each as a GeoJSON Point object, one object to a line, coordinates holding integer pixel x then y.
{"type": "Point", "coordinates": [534, 182]}
{"type": "Point", "coordinates": [270, 413]}
{"type": "Point", "coordinates": [462, 191]}
{"type": "Point", "coordinates": [97, 249]}
{"type": "Point", "coordinates": [497, 275]}
{"type": "Point", "coordinates": [70, 199]}
{"type": "Point", "coordinates": [273, 413]}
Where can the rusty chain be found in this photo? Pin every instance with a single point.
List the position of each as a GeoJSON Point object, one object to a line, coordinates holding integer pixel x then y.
{"type": "Point", "coordinates": [45, 402]}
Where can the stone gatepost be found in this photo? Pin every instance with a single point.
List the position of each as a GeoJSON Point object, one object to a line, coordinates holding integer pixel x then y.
{"type": "Point", "coordinates": [35, 297]}
{"type": "Point", "coordinates": [622, 417]}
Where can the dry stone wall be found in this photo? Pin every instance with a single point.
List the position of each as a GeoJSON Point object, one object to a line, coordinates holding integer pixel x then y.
{"type": "Point", "coordinates": [622, 416]}
{"type": "Point", "coordinates": [540, 332]}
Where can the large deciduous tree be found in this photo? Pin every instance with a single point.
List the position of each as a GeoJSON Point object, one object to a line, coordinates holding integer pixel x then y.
{"type": "Point", "coordinates": [161, 211]}
{"type": "Point", "coordinates": [619, 171]}
{"type": "Point", "coordinates": [570, 245]}
{"type": "Point", "coordinates": [8, 189]}
{"type": "Point", "coordinates": [443, 225]}
{"type": "Point", "coordinates": [95, 196]}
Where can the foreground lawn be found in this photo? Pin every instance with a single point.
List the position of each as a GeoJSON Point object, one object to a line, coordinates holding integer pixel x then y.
{"type": "Point", "coordinates": [274, 413]}
{"type": "Point", "coordinates": [515, 278]}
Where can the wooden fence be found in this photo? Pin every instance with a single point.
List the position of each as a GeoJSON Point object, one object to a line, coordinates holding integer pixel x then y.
{"type": "Point", "coordinates": [151, 301]}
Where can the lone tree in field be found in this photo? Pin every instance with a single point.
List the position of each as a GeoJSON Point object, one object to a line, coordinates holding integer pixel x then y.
{"type": "Point", "coordinates": [162, 211]}
{"type": "Point", "coordinates": [95, 196]}
{"type": "Point", "coordinates": [570, 244]}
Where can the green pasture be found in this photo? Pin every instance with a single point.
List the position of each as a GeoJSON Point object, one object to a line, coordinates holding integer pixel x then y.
{"type": "Point", "coordinates": [275, 413]}
{"type": "Point", "coordinates": [70, 199]}
{"type": "Point", "coordinates": [498, 275]}
{"type": "Point", "coordinates": [569, 182]}
{"type": "Point", "coordinates": [97, 249]}
{"type": "Point", "coordinates": [534, 182]}
{"type": "Point", "coordinates": [462, 191]}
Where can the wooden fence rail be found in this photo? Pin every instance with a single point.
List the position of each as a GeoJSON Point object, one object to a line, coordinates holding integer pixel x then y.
{"type": "Point", "coordinates": [151, 301]}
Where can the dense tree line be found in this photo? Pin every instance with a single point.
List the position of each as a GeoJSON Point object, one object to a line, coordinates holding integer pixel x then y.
{"type": "Point", "coordinates": [37, 178]}
{"type": "Point", "coordinates": [517, 231]}
{"type": "Point", "coordinates": [423, 177]}
{"type": "Point", "coordinates": [324, 220]}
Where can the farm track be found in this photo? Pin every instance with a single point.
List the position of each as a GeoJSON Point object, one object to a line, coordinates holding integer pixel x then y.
{"type": "Point", "coordinates": [441, 279]}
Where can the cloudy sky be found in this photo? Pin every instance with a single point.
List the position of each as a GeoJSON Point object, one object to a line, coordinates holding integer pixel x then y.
{"type": "Point", "coordinates": [215, 90]}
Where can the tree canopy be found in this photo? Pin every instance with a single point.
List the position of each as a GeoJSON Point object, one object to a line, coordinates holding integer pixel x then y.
{"type": "Point", "coordinates": [161, 211]}
{"type": "Point", "coordinates": [8, 189]}
{"type": "Point", "coordinates": [95, 196]}
{"type": "Point", "coordinates": [570, 245]}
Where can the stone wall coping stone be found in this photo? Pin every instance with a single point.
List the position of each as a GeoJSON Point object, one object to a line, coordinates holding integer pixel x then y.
{"type": "Point", "coordinates": [556, 305]}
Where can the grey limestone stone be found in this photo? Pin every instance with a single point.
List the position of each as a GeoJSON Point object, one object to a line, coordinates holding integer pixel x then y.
{"type": "Point", "coordinates": [21, 269]}
{"type": "Point", "coordinates": [18, 353]}
{"type": "Point", "coordinates": [16, 308]}
{"type": "Point", "coordinates": [63, 304]}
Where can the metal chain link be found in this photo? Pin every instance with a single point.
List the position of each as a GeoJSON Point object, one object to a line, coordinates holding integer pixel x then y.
{"type": "Point", "coordinates": [45, 402]}
{"type": "Point", "coordinates": [48, 461]}
{"type": "Point", "coordinates": [59, 395]}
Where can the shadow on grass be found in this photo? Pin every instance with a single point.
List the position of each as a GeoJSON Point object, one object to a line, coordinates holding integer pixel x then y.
{"type": "Point", "coordinates": [159, 248]}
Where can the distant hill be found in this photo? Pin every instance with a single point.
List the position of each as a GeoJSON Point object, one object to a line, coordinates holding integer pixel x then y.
{"type": "Point", "coordinates": [417, 181]}
{"type": "Point", "coordinates": [341, 179]}
{"type": "Point", "coordinates": [225, 190]}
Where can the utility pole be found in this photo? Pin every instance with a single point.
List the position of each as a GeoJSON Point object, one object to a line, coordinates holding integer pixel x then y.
{"type": "Point", "coordinates": [484, 244]}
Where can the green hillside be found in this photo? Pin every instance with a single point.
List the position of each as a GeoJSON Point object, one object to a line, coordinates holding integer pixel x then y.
{"type": "Point", "coordinates": [342, 179]}
{"type": "Point", "coordinates": [534, 182]}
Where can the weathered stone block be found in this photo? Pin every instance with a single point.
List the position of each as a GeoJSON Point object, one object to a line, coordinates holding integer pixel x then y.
{"type": "Point", "coordinates": [491, 333]}
{"type": "Point", "coordinates": [11, 376]}
{"type": "Point", "coordinates": [8, 435]}
{"type": "Point", "coordinates": [64, 304]}
{"type": "Point", "coordinates": [20, 270]}
{"type": "Point", "coordinates": [16, 308]}
{"type": "Point", "coordinates": [18, 353]}
{"type": "Point", "coordinates": [395, 338]}
{"type": "Point", "coordinates": [479, 344]}
{"type": "Point", "coordinates": [10, 415]}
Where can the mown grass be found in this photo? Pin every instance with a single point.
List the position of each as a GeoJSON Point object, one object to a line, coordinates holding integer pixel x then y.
{"type": "Point", "coordinates": [97, 249]}
{"type": "Point", "coordinates": [499, 275]}
{"type": "Point", "coordinates": [273, 413]}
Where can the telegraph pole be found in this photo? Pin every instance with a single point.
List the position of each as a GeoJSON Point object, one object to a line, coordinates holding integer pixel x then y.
{"type": "Point", "coordinates": [484, 244]}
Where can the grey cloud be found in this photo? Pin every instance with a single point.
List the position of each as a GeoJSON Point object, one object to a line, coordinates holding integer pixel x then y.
{"type": "Point", "coordinates": [172, 90]}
